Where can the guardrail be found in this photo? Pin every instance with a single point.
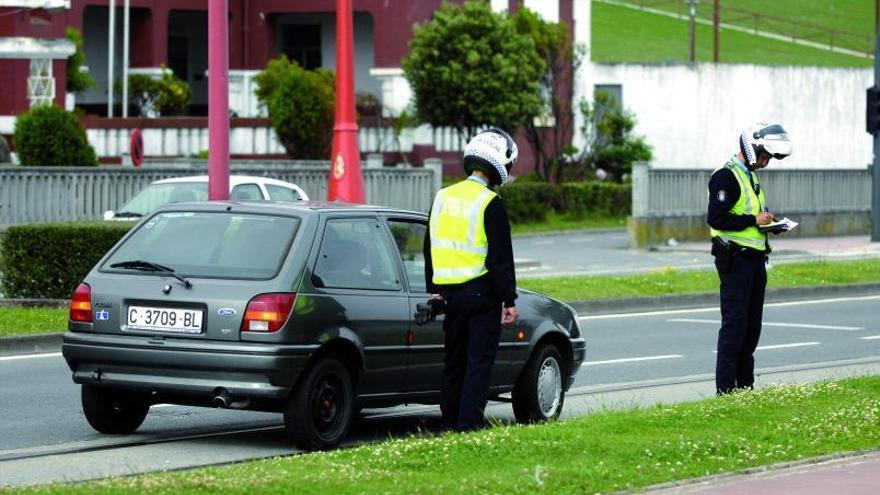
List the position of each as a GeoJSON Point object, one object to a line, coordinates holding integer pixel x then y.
{"type": "Point", "coordinates": [671, 203]}
{"type": "Point", "coordinates": [61, 194]}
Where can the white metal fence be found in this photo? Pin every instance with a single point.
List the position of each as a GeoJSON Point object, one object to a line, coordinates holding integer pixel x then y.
{"type": "Point", "coordinates": [60, 194]}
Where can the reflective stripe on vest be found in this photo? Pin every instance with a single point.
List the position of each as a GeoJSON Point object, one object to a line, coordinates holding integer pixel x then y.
{"type": "Point", "coordinates": [458, 235]}
{"type": "Point", "coordinates": [749, 203]}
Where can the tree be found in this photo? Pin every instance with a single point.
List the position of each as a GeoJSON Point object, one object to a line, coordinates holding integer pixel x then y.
{"type": "Point", "coordinates": [469, 67]}
{"type": "Point", "coordinates": [610, 145]}
{"type": "Point", "coordinates": [301, 105]}
{"type": "Point", "coordinates": [78, 80]}
{"type": "Point", "coordinates": [555, 46]}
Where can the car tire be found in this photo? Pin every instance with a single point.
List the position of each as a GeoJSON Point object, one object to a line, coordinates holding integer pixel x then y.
{"type": "Point", "coordinates": [114, 411]}
{"type": "Point", "coordinates": [539, 393]}
{"type": "Point", "coordinates": [320, 410]}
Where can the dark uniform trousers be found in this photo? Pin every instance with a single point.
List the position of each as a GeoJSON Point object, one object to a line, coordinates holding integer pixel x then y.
{"type": "Point", "coordinates": [472, 329]}
{"type": "Point", "coordinates": [743, 280]}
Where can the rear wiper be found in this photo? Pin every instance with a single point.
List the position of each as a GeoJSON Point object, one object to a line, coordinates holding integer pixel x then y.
{"type": "Point", "coordinates": [149, 266]}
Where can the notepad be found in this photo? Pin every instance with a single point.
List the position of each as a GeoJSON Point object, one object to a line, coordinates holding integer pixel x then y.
{"type": "Point", "coordinates": [783, 225]}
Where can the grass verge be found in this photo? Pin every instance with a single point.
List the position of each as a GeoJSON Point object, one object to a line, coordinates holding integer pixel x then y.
{"type": "Point", "coordinates": [673, 281]}
{"type": "Point", "coordinates": [556, 222]}
{"type": "Point", "coordinates": [601, 452]}
{"type": "Point", "coordinates": [621, 34]}
{"type": "Point", "coordinates": [29, 321]}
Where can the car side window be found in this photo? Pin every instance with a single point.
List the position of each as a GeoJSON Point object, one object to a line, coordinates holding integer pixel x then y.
{"type": "Point", "coordinates": [281, 193]}
{"type": "Point", "coordinates": [246, 192]}
{"type": "Point", "coordinates": [409, 236]}
{"type": "Point", "coordinates": [355, 254]}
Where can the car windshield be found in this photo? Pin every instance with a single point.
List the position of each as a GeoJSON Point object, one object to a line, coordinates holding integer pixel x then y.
{"type": "Point", "coordinates": [157, 195]}
{"type": "Point", "coordinates": [210, 245]}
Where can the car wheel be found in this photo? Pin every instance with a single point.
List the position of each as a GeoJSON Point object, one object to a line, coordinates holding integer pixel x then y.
{"type": "Point", "coordinates": [114, 411]}
{"type": "Point", "coordinates": [538, 394]}
{"type": "Point", "coordinates": [320, 410]}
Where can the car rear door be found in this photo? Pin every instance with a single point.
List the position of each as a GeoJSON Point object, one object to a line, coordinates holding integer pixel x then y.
{"type": "Point", "coordinates": [352, 290]}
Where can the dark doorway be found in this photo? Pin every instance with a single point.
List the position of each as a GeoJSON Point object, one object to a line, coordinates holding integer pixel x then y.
{"type": "Point", "coordinates": [302, 43]}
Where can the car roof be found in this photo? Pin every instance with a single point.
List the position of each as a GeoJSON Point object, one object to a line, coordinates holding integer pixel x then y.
{"type": "Point", "coordinates": [234, 180]}
{"type": "Point", "coordinates": [285, 207]}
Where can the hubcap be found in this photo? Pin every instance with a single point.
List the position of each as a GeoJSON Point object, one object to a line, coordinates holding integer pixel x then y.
{"type": "Point", "coordinates": [549, 387]}
{"type": "Point", "coordinates": [328, 404]}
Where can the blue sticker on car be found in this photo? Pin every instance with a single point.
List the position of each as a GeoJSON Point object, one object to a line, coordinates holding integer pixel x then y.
{"type": "Point", "coordinates": [102, 315]}
{"type": "Point", "coordinates": [227, 312]}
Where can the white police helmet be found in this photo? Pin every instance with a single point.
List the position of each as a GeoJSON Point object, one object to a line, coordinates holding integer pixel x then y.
{"type": "Point", "coordinates": [767, 138]}
{"type": "Point", "coordinates": [493, 152]}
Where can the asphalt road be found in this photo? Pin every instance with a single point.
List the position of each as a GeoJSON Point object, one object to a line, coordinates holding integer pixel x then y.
{"type": "Point", "coordinates": [605, 252]}
{"type": "Point", "coordinates": [631, 359]}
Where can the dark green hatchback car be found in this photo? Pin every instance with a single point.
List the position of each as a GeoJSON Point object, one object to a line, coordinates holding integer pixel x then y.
{"type": "Point", "coordinates": [308, 309]}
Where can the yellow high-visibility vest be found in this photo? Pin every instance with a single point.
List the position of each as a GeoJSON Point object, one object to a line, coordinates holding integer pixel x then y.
{"type": "Point", "coordinates": [458, 234]}
{"type": "Point", "coordinates": [749, 203]}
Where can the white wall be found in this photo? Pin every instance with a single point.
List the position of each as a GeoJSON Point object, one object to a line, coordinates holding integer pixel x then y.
{"type": "Point", "coordinates": [692, 116]}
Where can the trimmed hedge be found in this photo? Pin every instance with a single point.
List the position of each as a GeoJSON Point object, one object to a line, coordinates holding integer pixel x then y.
{"type": "Point", "coordinates": [48, 136]}
{"type": "Point", "coordinates": [529, 202]}
{"type": "Point", "coordinates": [49, 260]}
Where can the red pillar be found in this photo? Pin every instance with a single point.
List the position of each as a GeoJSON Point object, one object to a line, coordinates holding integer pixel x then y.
{"type": "Point", "coordinates": [346, 180]}
{"type": "Point", "coordinates": [218, 100]}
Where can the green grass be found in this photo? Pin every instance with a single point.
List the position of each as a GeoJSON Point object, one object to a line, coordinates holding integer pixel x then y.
{"type": "Point", "coordinates": [27, 321]}
{"type": "Point", "coordinates": [672, 281]}
{"type": "Point", "coordinates": [621, 34]}
{"type": "Point", "coordinates": [556, 222]}
{"type": "Point", "coordinates": [817, 18]}
{"type": "Point", "coordinates": [600, 452]}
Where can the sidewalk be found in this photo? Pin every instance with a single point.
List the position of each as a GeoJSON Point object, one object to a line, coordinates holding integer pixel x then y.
{"type": "Point", "coordinates": [852, 475]}
{"type": "Point", "coordinates": [832, 247]}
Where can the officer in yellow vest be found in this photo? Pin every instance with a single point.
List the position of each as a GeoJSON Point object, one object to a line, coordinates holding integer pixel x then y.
{"type": "Point", "coordinates": [469, 263]}
{"type": "Point", "coordinates": [736, 209]}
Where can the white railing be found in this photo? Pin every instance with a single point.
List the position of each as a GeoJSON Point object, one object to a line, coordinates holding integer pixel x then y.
{"type": "Point", "coordinates": [60, 194]}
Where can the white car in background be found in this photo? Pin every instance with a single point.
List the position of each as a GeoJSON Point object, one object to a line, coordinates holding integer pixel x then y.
{"type": "Point", "coordinates": [185, 189]}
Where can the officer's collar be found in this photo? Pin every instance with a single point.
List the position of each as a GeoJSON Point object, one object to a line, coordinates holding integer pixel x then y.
{"type": "Point", "coordinates": [479, 180]}
{"type": "Point", "coordinates": [742, 165]}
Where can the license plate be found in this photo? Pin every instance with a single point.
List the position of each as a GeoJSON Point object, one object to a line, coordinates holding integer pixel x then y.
{"type": "Point", "coordinates": [164, 319]}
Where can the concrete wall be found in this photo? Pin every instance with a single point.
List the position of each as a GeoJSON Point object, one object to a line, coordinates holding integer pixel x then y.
{"type": "Point", "coordinates": [692, 115]}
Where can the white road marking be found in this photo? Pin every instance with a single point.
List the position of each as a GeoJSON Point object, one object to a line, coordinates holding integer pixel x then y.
{"type": "Point", "coordinates": [766, 324]}
{"type": "Point", "coordinates": [631, 360]}
{"type": "Point", "coordinates": [715, 308]}
{"type": "Point", "coordinates": [871, 337]}
{"type": "Point", "coordinates": [30, 356]}
{"type": "Point", "coordinates": [782, 346]}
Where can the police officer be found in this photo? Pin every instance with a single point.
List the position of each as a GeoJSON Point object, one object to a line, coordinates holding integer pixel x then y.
{"type": "Point", "coordinates": [469, 263]}
{"type": "Point", "coordinates": [736, 209]}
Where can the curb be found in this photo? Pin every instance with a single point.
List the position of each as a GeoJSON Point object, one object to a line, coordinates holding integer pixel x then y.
{"type": "Point", "coordinates": [34, 303]}
{"type": "Point", "coordinates": [30, 344]}
{"type": "Point", "coordinates": [51, 342]}
{"type": "Point", "coordinates": [687, 301]}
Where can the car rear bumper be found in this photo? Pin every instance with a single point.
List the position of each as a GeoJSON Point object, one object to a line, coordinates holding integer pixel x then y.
{"type": "Point", "coordinates": [190, 367]}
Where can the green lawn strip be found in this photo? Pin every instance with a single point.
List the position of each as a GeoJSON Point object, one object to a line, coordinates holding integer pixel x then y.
{"type": "Point", "coordinates": [556, 222]}
{"type": "Point", "coordinates": [600, 452]}
{"type": "Point", "coordinates": [28, 321]}
{"type": "Point", "coordinates": [815, 18]}
{"type": "Point", "coordinates": [673, 281]}
{"type": "Point", "coordinates": [621, 34]}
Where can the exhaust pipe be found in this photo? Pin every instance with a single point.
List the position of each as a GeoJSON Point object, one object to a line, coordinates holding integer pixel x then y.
{"type": "Point", "coordinates": [222, 399]}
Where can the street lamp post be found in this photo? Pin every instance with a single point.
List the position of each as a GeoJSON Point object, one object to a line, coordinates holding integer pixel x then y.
{"type": "Point", "coordinates": [346, 182]}
{"type": "Point", "coordinates": [218, 100]}
{"type": "Point", "coordinates": [111, 40]}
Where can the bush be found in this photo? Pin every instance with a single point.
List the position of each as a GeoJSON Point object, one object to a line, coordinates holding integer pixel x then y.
{"type": "Point", "coordinates": [5, 155]}
{"type": "Point", "coordinates": [167, 96]}
{"type": "Point", "coordinates": [46, 135]}
{"type": "Point", "coordinates": [301, 105]}
{"type": "Point", "coordinates": [528, 202]}
{"type": "Point", "coordinates": [49, 260]}
{"type": "Point", "coordinates": [78, 78]}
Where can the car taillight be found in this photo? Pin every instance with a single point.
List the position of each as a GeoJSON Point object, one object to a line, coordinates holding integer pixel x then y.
{"type": "Point", "coordinates": [267, 312]}
{"type": "Point", "coordinates": [81, 304]}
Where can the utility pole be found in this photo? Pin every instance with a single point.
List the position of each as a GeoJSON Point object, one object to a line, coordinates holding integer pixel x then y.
{"type": "Point", "coordinates": [692, 11]}
{"type": "Point", "coordinates": [111, 40]}
{"type": "Point", "coordinates": [716, 29]}
{"type": "Point", "coordinates": [875, 169]}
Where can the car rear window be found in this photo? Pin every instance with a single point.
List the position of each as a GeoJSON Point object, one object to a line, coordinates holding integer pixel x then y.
{"type": "Point", "coordinates": [211, 245]}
